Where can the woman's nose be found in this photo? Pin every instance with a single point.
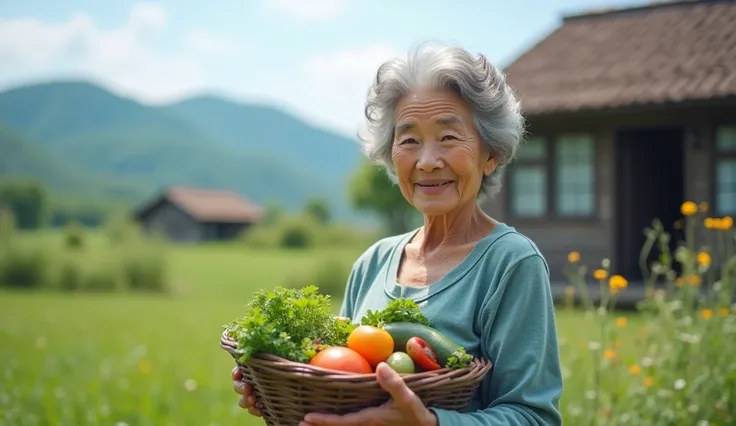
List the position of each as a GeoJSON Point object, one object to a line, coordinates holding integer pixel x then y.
{"type": "Point", "coordinates": [429, 158]}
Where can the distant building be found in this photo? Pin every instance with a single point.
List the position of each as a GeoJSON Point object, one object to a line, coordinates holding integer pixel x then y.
{"type": "Point", "coordinates": [630, 112]}
{"type": "Point", "coordinates": [196, 215]}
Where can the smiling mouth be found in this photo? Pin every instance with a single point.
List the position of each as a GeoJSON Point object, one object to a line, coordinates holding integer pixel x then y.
{"type": "Point", "coordinates": [434, 185]}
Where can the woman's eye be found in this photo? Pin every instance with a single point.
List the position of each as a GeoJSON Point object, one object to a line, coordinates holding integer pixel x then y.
{"type": "Point", "coordinates": [448, 137]}
{"type": "Point", "coordinates": [408, 140]}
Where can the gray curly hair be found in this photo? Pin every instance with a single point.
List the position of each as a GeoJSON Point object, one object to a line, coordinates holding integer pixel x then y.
{"type": "Point", "coordinates": [498, 115]}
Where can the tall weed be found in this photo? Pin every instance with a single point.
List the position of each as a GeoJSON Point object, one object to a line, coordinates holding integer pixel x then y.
{"type": "Point", "coordinates": [678, 368]}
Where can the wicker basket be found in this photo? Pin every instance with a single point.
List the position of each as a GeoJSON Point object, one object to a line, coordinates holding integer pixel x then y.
{"type": "Point", "coordinates": [286, 391]}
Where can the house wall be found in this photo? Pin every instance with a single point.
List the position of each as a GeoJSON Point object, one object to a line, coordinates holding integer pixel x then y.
{"type": "Point", "coordinates": [174, 223]}
{"type": "Point", "coordinates": [595, 238]}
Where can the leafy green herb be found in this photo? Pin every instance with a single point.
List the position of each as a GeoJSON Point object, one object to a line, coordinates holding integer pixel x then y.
{"type": "Point", "coordinates": [290, 323]}
{"type": "Point", "coordinates": [458, 359]}
{"type": "Point", "coordinates": [397, 310]}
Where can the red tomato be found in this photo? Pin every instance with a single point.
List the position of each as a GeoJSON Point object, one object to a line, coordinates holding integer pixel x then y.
{"type": "Point", "coordinates": [342, 359]}
{"type": "Point", "coordinates": [422, 354]}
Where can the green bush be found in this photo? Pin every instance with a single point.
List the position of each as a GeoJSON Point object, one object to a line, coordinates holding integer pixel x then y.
{"type": "Point", "coordinates": [73, 235]}
{"type": "Point", "coordinates": [70, 274]}
{"type": "Point", "coordinates": [24, 264]}
{"type": "Point", "coordinates": [128, 260]}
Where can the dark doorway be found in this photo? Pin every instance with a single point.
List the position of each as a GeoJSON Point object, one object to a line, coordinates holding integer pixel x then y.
{"type": "Point", "coordinates": [650, 185]}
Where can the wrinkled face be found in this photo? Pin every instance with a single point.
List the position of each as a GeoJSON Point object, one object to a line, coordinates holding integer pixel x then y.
{"type": "Point", "coordinates": [437, 152]}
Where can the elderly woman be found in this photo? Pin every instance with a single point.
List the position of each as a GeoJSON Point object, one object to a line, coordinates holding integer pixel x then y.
{"type": "Point", "coordinates": [445, 124]}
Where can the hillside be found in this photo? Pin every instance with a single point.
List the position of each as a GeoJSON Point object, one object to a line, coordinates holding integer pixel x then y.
{"type": "Point", "coordinates": [24, 158]}
{"type": "Point", "coordinates": [260, 152]}
{"type": "Point", "coordinates": [260, 128]}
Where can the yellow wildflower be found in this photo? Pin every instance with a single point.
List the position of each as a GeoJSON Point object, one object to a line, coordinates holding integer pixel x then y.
{"type": "Point", "coordinates": [689, 208]}
{"type": "Point", "coordinates": [635, 370]}
{"type": "Point", "coordinates": [723, 312]}
{"type": "Point", "coordinates": [694, 280]}
{"type": "Point", "coordinates": [704, 258]}
{"type": "Point", "coordinates": [648, 381]}
{"type": "Point", "coordinates": [709, 223]}
{"type": "Point", "coordinates": [600, 274]}
{"type": "Point", "coordinates": [706, 313]}
{"type": "Point", "coordinates": [616, 283]}
{"type": "Point", "coordinates": [609, 354]}
{"type": "Point", "coordinates": [573, 257]}
{"type": "Point", "coordinates": [726, 223]}
{"type": "Point", "coordinates": [621, 322]}
{"type": "Point", "coordinates": [144, 367]}
{"type": "Point", "coordinates": [703, 207]}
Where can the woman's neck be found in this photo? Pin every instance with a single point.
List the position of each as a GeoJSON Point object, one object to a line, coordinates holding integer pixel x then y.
{"type": "Point", "coordinates": [466, 225]}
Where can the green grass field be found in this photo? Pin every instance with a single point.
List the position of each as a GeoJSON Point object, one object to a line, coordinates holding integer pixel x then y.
{"type": "Point", "coordinates": [117, 359]}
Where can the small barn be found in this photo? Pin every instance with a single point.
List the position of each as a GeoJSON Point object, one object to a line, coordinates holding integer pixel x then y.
{"type": "Point", "coordinates": [629, 113]}
{"type": "Point", "coordinates": [197, 215]}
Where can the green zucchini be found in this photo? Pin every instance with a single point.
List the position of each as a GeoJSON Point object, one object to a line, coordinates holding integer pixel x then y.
{"type": "Point", "coordinates": [401, 332]}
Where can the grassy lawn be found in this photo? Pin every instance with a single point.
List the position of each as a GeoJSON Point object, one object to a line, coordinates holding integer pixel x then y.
{"type": "Point", "coordinates": [155, 360]}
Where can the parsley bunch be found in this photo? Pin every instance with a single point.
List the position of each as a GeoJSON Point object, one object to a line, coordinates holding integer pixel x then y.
{"type": "Point", "coordinates": [290, 323]}
{"type": "Point", "coordinates": [398, 310]}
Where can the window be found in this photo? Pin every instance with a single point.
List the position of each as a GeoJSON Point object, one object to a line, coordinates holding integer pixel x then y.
{"type": "Point", "coordinates": [529, 180]}
{"type": "Point", "coordinates": [554, 178]}
{"type": "Point", "coordinates": [726, 170]}
{"type": "Point", "coordinates": [574, 190]}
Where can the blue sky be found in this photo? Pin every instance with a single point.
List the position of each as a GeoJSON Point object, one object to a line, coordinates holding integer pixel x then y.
{"type": "Point", "coordinates": [314, 58]}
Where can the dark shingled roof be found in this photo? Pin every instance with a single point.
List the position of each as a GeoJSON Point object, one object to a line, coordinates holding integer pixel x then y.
{"type": "Point", "coordinates": [650, 55]}
{"type": "Point", "coordinates": [210, 205]}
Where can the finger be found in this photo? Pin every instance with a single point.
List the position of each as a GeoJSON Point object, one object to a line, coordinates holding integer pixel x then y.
{"type": "Point", "coordinates": [255, 411]}
{"type": "Point", "coordinates": [353, 419]}
{"type": "Point", "coordinates": [391, 382]}
{"type": "Point", "coordinates": [247, 401]}
{"type": "Point", "coordinates": [240, 388]}
{"type": "Point", "coordinates": [237, 374]}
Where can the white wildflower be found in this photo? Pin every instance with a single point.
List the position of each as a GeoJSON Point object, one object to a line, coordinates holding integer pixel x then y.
{"type": "Point", "coordinates": [679, 384]}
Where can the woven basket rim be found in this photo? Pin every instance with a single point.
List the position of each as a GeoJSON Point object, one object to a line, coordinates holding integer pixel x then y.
{"type": "Point", "coordinates": [230, 346]}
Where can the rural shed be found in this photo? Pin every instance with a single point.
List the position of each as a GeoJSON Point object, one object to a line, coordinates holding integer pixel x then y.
{"type": "Point", "coordinates": [629, 113]}
{"type": "Point", "coordinates": [196, 215]}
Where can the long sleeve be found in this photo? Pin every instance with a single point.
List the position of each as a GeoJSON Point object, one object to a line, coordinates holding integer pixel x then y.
{"type": "Point", "coordinates": [520, 338]}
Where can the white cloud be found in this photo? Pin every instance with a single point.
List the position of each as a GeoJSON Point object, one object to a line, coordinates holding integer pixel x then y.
{"type": "Point", "coordinates": [207, 43]}
{"type": "Point", "coordinates": [123, 58]}
{"type": "Point", "coordinates": [341, 80]}
{"type": "Point", "coordinates": [309, 10]}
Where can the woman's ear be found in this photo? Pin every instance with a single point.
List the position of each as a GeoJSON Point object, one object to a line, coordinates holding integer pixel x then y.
{"type": "Point", "coordinates": [490, 165]}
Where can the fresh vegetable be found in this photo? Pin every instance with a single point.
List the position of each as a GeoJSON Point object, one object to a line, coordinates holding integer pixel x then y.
{"type": "Point", "coordinates": [458, 359]}
{"type": "Point", "coordinates": [298, 325]}
{"type": "Point", "coordinates": [373, 343]}
{"type": "Point", "coordinates": [341, 359]}
{"type": "Point", "coordinates": [398, 310]}
{"type": "Point", "coordinates": [401, 363]}
{"type": "Point", "coordinates": [443, 346]}
{"type": "Point", "coordinates": [291, 323]}
{"type": "Point", "coordinates": [422, 354]}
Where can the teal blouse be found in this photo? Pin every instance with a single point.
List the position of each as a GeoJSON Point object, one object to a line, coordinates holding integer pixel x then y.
{"type": "Point", "coordinates": [497, 304]}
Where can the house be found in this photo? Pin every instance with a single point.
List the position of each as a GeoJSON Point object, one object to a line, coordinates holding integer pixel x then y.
{"type": "Point", "coordinates": [195, 214]}
{"type": "Point", "coordinates": [629, 113]}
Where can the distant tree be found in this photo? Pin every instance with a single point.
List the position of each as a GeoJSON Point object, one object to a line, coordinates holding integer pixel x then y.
{"type": "Point", "coordinates": [371, 190]}
{"type": "Point", "coordinates": [27, 200]}
{"type": "Point", "coordinates": [318, 209]}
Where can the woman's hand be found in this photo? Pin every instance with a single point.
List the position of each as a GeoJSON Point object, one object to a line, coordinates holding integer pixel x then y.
{"type": "Point", "coordinates": [404, 407]}
{"type": "Point", "coordinates": [247, 399]}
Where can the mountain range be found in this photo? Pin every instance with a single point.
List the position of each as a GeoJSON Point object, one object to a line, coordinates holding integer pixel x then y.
{"type": "Point", "coordinates": [82, 140]}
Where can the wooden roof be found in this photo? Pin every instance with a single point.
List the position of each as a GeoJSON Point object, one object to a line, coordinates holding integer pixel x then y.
{"type": "Point", "coordinates": [650, 55]}
{"type": "Point", "coordinates": [209, 205]}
